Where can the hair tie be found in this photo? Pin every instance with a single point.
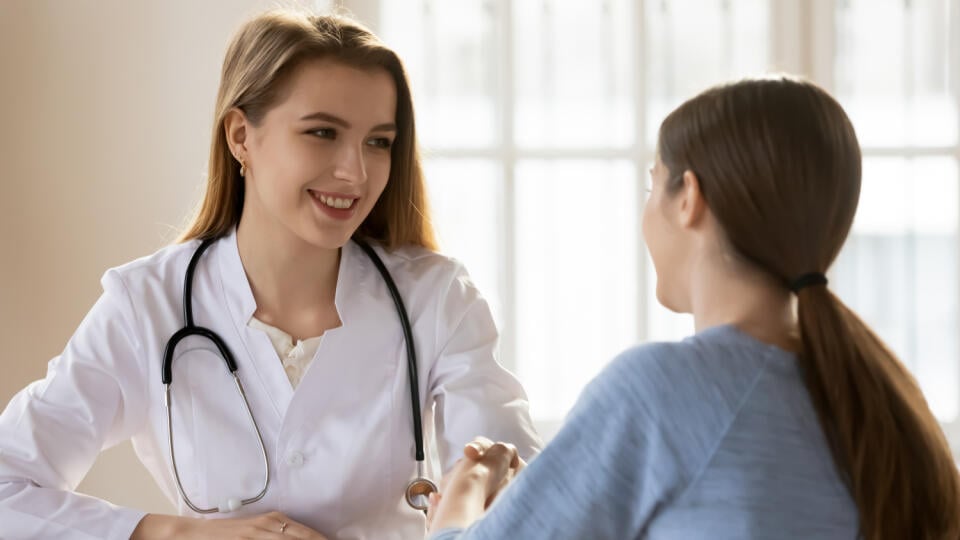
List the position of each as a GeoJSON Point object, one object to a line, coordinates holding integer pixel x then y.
{"type": "Point", "coordinates": [808, 280]}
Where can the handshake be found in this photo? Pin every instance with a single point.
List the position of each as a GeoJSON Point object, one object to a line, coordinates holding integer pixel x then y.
{"type": "Point", "coordinates": [485, 469]}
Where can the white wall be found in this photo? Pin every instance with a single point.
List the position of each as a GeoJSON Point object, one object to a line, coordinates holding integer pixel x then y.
{"type": "Point", "coordinates": [105, 116]}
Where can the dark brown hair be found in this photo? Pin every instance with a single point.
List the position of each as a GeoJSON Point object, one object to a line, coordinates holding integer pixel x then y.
{"type": "Point", "coordinates": [779, 167]}
{"type": "Point", "coordinates": [261, 57]}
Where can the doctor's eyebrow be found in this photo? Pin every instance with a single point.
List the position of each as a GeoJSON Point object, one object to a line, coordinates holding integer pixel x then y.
{"type": "Point", "coordinates": [333, 119]}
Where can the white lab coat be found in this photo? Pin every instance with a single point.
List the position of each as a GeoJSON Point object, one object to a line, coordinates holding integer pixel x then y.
{"type": "Point", "coordinates": [340, 447]}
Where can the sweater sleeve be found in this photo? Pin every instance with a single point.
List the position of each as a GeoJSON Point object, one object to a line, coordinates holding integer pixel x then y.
{"type": "Point", "coordinates": [606, 472]}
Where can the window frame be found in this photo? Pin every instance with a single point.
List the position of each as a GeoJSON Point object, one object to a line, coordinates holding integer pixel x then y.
{"type": "Point", "coordinates": [816, 55]}
{"type": "Point", "coordinates": [797, 45]}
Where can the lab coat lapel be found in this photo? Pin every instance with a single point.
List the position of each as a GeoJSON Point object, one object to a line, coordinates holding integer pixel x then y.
{"type": "Point", "coordinates": [349, 399]}
{"type": "Point", "coordinates": [350, 299]}
{"type": "Point", "coordinates": [258, 364]}
{"type": "Point", "coordinates": [357, 362]}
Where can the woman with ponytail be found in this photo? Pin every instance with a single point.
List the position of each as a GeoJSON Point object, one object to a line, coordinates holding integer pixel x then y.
{"type": "Point", "coordinates": [784, 416]}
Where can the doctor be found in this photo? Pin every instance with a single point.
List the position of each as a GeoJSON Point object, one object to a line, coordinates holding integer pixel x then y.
{"type": "Point", "coordinates": [313, 150]}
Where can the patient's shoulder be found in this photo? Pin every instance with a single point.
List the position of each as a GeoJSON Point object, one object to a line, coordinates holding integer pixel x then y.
{"type": "Point", "coordinates": [681, 394]}
{"type": "Point", "coordinates": [712, 369]}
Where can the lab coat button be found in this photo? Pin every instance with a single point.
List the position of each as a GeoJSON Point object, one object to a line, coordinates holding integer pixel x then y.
{"type": "Point", "coordinates": [295, 459]}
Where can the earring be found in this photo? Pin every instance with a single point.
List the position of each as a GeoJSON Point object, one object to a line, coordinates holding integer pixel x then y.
{"type": "Point", "coordinates": [243, 168]}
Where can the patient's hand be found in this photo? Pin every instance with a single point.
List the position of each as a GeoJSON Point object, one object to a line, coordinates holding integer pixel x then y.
{"type": "Point", "coordinates": [475, 451]}
{"type": "Point", "coordinates": [468, 489]}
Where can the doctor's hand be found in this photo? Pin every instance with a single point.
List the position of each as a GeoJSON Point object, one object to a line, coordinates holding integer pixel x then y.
{"type": "Point", "coordinates": [269, 526]}
{"type": "Point", "coordinates": [468, 489]}
{"type": "Point", "coordinates": [476, 450]}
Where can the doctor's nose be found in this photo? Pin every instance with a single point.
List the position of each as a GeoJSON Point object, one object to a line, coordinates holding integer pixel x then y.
{"type": "Point", "coordinates": [349, 164]}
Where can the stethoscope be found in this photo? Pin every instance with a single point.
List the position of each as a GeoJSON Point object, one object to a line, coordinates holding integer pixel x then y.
{"type": "Point", "coordinates": [418, 490]}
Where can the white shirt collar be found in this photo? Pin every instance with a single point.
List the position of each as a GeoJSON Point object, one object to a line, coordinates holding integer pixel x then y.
{"type": "Point", "coordinates": [352, 280]}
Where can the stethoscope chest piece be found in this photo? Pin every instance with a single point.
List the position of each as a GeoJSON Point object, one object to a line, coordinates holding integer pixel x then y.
{"type": "Point", "coordinates": [418, 493]}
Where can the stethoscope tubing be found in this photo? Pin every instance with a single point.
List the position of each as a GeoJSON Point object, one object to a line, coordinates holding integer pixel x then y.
{"type": "Point", "coordinates": [190, 329]}
{"type": "Point", "coordinates": [408, 339]}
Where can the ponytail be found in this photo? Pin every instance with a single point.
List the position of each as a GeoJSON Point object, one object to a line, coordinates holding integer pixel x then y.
{"type": "Point", "coordinates": [887, 445]}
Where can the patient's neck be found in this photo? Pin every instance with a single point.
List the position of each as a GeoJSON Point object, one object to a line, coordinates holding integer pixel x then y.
{"type": "Point", "coordinates": [734, 293]}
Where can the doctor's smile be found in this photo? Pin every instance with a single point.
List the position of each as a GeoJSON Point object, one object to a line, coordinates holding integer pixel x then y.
{"type": "Point", "coordinates": [337, 206]}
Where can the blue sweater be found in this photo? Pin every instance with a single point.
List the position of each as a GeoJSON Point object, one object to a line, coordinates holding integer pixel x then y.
{"type": "Point", "coordinates": [712, 437]}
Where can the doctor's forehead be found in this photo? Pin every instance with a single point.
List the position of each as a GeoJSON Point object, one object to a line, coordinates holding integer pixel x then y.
{"type": "Point", "coordinates": [360, 95]}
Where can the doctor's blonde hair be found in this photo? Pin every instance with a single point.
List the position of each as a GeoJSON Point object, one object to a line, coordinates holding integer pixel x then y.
{"type": "Point", "coordinates": [257, 65]}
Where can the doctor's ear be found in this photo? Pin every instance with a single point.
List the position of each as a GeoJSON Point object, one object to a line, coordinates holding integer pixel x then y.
{"type": "Point", "coordinates": [235, 129]}
{"type": "Point", "coordinates": [692, 204]}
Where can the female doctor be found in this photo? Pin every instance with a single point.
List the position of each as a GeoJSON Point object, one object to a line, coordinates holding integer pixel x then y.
{"type": "Point", "coordinates": [315, 435]}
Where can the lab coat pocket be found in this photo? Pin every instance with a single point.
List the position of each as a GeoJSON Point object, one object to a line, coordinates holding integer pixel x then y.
{"type": "Point", "coordinates": [217, 449]}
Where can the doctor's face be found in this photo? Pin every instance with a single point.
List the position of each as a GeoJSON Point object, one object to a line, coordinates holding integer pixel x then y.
{"type": "Point", "coordinates": [320, 158]}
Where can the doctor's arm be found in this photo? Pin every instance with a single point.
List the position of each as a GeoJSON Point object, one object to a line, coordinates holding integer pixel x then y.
{"type": "Point", "coordinates": [474, 395]}
{"type": "Point", "coordinates": [52, 431]}
{"type": "Point", "coordinates": [92, 398]}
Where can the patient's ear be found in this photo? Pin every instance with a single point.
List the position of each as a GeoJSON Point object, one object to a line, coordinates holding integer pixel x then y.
{"type": "Point", "coordinates": [692, 204]}
{"type": "Point", "coordinates": [235, 125]}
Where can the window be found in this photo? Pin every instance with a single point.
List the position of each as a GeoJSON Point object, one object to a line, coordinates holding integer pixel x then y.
{"type": "Point", "coordinates": [899, 267]}
{"type": "Point", "coordinates": [539, 118]}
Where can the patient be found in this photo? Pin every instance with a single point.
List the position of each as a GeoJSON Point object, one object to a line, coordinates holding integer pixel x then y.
{"type": "Point", "coordinates": [784, 415]}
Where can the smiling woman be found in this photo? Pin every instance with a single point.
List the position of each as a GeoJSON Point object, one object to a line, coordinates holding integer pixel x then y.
{"type": "Point", "coordinates": [317, 174]}
{"type": "Point", "coordinates": [312, 78]}
{"type": "Point", "coordinates": [314, 198]}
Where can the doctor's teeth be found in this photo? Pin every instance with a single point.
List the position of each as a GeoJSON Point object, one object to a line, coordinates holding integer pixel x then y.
{"type": "Point", "coordinates": [335, 202]}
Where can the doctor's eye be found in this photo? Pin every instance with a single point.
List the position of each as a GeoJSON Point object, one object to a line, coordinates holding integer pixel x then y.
{"type": "Point", "coordinates": [324, 133]}
{"type": "Point", "coordinates": [381, 142]}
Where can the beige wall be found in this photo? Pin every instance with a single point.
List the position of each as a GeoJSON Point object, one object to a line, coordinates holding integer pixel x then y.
{"type": "Point", "coordinates": [105, 115]}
